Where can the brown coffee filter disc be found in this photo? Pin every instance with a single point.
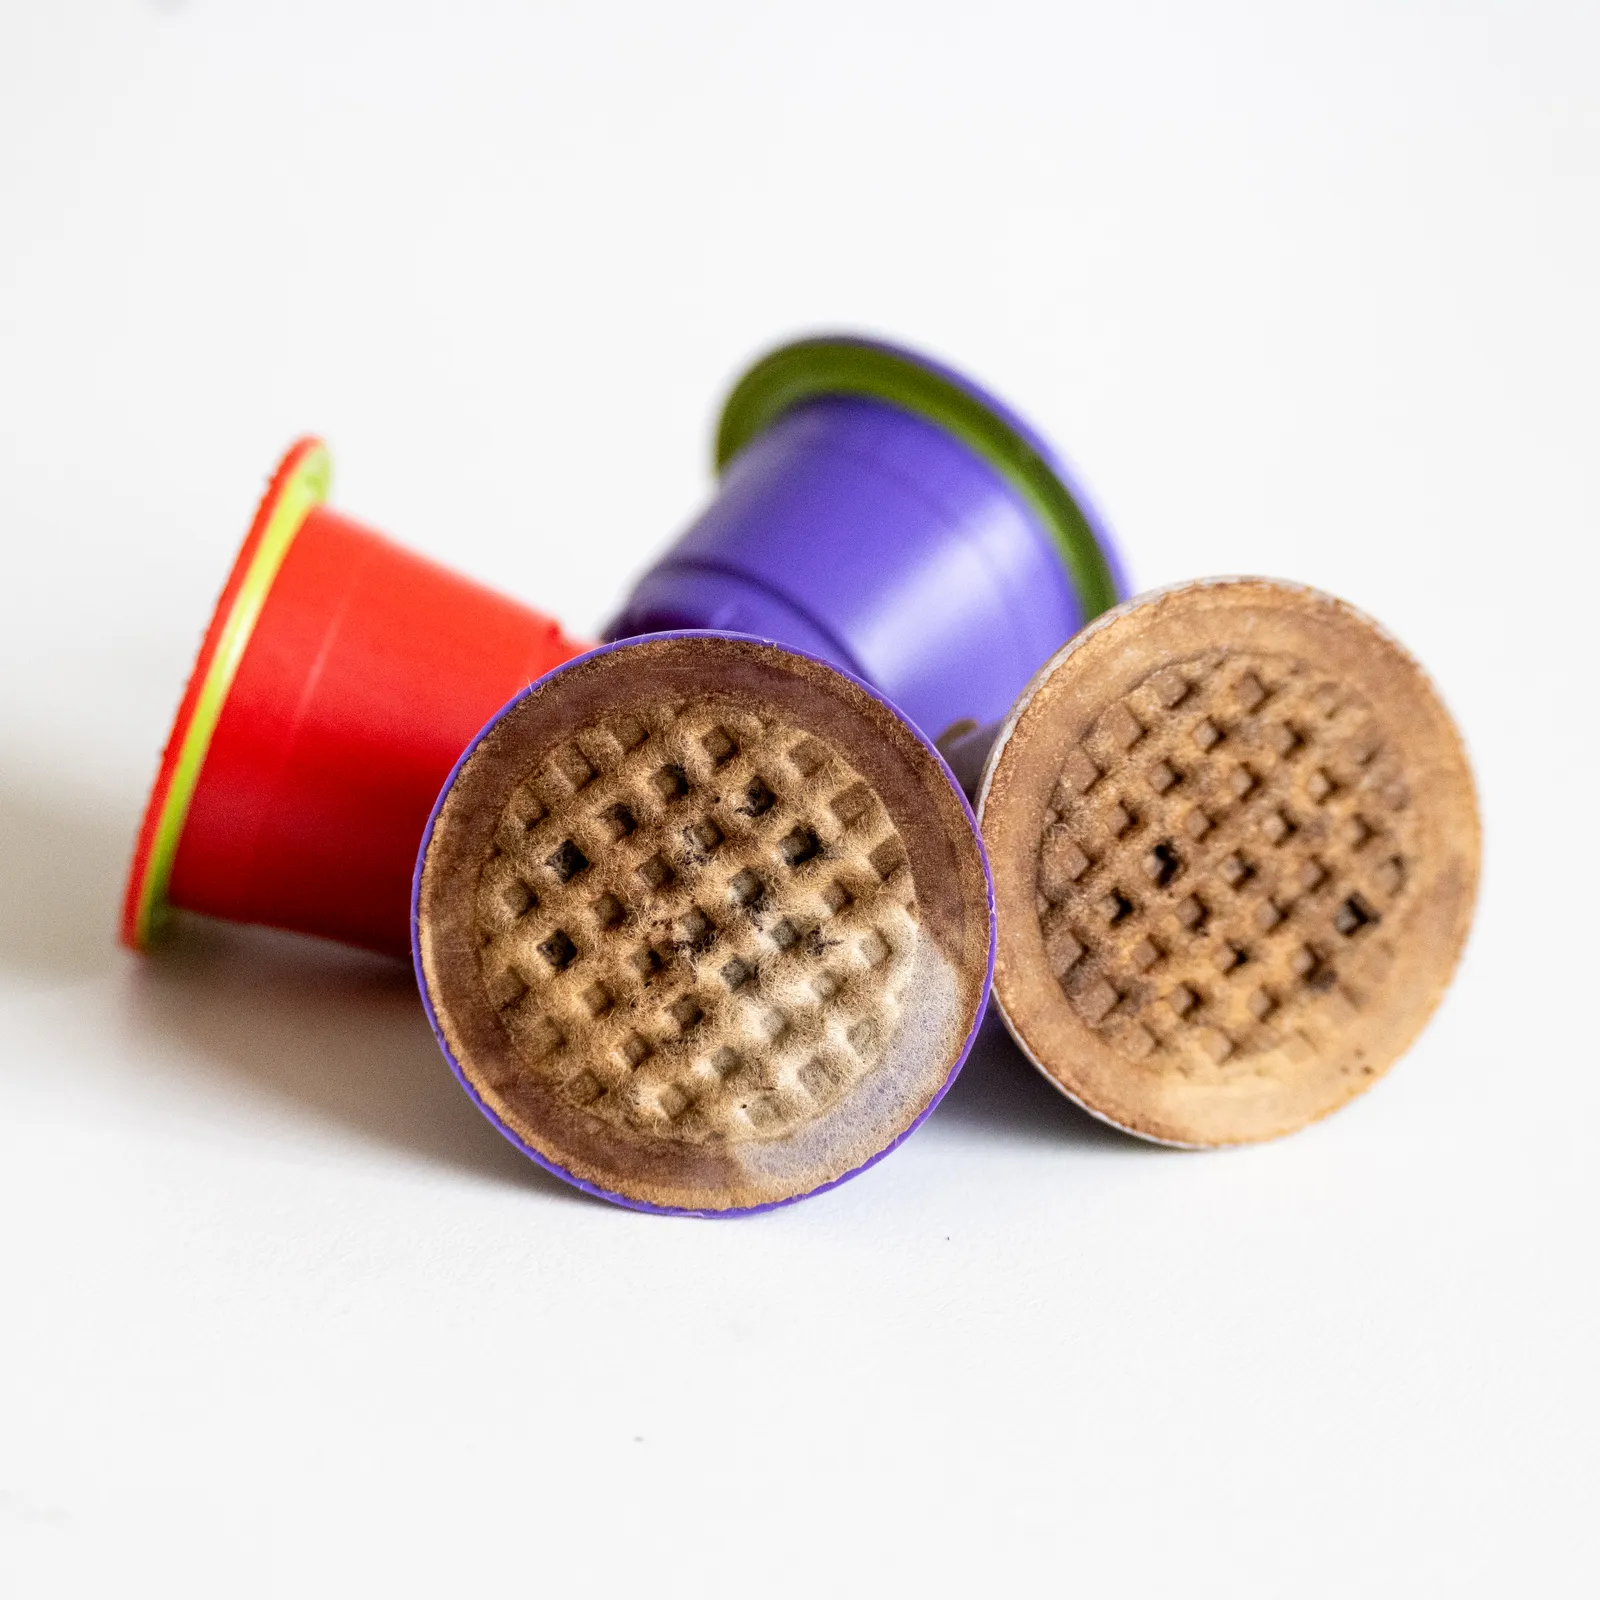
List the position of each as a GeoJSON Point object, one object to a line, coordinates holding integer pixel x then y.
{"type": "Point", "coordinates": [1235, 849]}
{"type": "Point", "coordinates": [704, 924]}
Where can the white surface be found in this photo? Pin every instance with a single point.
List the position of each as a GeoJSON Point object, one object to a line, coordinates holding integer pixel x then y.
{"type": "Point", "coordinates": [1300, 289]}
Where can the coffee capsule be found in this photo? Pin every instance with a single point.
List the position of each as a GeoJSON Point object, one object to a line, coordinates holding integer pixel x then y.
{"type": "Point", "coordinates": [889, 516]}
{"type": "Point", "coordinates": [339, 680]}
{"type": "Point", "coordinates": [702, 924]}
{"type": "Point", "coordinates": [1235, 849]}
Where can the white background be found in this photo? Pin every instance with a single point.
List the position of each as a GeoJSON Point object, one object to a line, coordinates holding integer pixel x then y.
{"type": "Point", "coordinates": [1301, 289]}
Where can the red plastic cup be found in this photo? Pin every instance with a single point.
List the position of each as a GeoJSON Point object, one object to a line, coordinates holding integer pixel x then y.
{"type": "Point", "coordinates": [339, 681]}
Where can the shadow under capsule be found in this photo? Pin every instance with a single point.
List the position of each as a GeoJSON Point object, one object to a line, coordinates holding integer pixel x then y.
{"type": "Point", "coordinates": [1000, 1093]}
{"type": "Point", "coordinates": [335, 1032]}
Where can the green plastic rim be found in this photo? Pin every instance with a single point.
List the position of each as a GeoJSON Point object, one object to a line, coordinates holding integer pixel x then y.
{"type": "Point", "coordinates": [302, 486]}
{"type": "Point", "coordinates": [813, 368]}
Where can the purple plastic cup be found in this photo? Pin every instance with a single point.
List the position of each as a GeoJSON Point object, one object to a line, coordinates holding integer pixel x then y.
{"type": "Point", "coordinates": [885, 514]}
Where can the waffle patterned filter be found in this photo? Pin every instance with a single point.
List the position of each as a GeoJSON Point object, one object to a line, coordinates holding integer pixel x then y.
{"type": "Point", "coordinates": [703, 925]}
{"type": "Point", "coordinates": [1235, 849]}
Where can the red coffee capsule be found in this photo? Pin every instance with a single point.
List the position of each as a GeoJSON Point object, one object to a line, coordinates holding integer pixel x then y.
{"type": "Point", "coordinates": [340, 679]}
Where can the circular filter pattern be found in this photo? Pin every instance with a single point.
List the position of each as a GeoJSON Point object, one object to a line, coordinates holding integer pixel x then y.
{"type": "Point", "coordinates": [1235, 849]}
{"type": "Point", "coordinates": [703, 925]}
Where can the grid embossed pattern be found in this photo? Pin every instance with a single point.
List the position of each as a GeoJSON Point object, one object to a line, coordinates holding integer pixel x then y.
{"type": "Point", "coordinates": [697, 922]}
{"type": "Point", "coordinates": [1220, 853]}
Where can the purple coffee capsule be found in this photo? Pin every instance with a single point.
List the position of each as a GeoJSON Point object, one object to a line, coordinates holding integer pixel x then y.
{"type": "Point", "coordinates": [703, 924]}
{"type": "Point", "coordinates": [883, 513]}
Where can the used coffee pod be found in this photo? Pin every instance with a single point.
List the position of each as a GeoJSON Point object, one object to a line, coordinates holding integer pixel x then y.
{"type": "Point", "coordinates": [339, 680]}
{"type": "Point", "coordinates": [887, 515]}
{"type": "Point", "coordinates": [1235, 850]}
{"type": "Point", "coordinates": [702, 924]}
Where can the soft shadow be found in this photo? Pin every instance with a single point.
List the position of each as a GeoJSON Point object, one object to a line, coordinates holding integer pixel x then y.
{"type": "Point", "coordinates": [60, 881]}
{"type": "Point", "coordinates": [1000, 1092]}
{"type": "Point", "coordinates": [336, 1032]}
